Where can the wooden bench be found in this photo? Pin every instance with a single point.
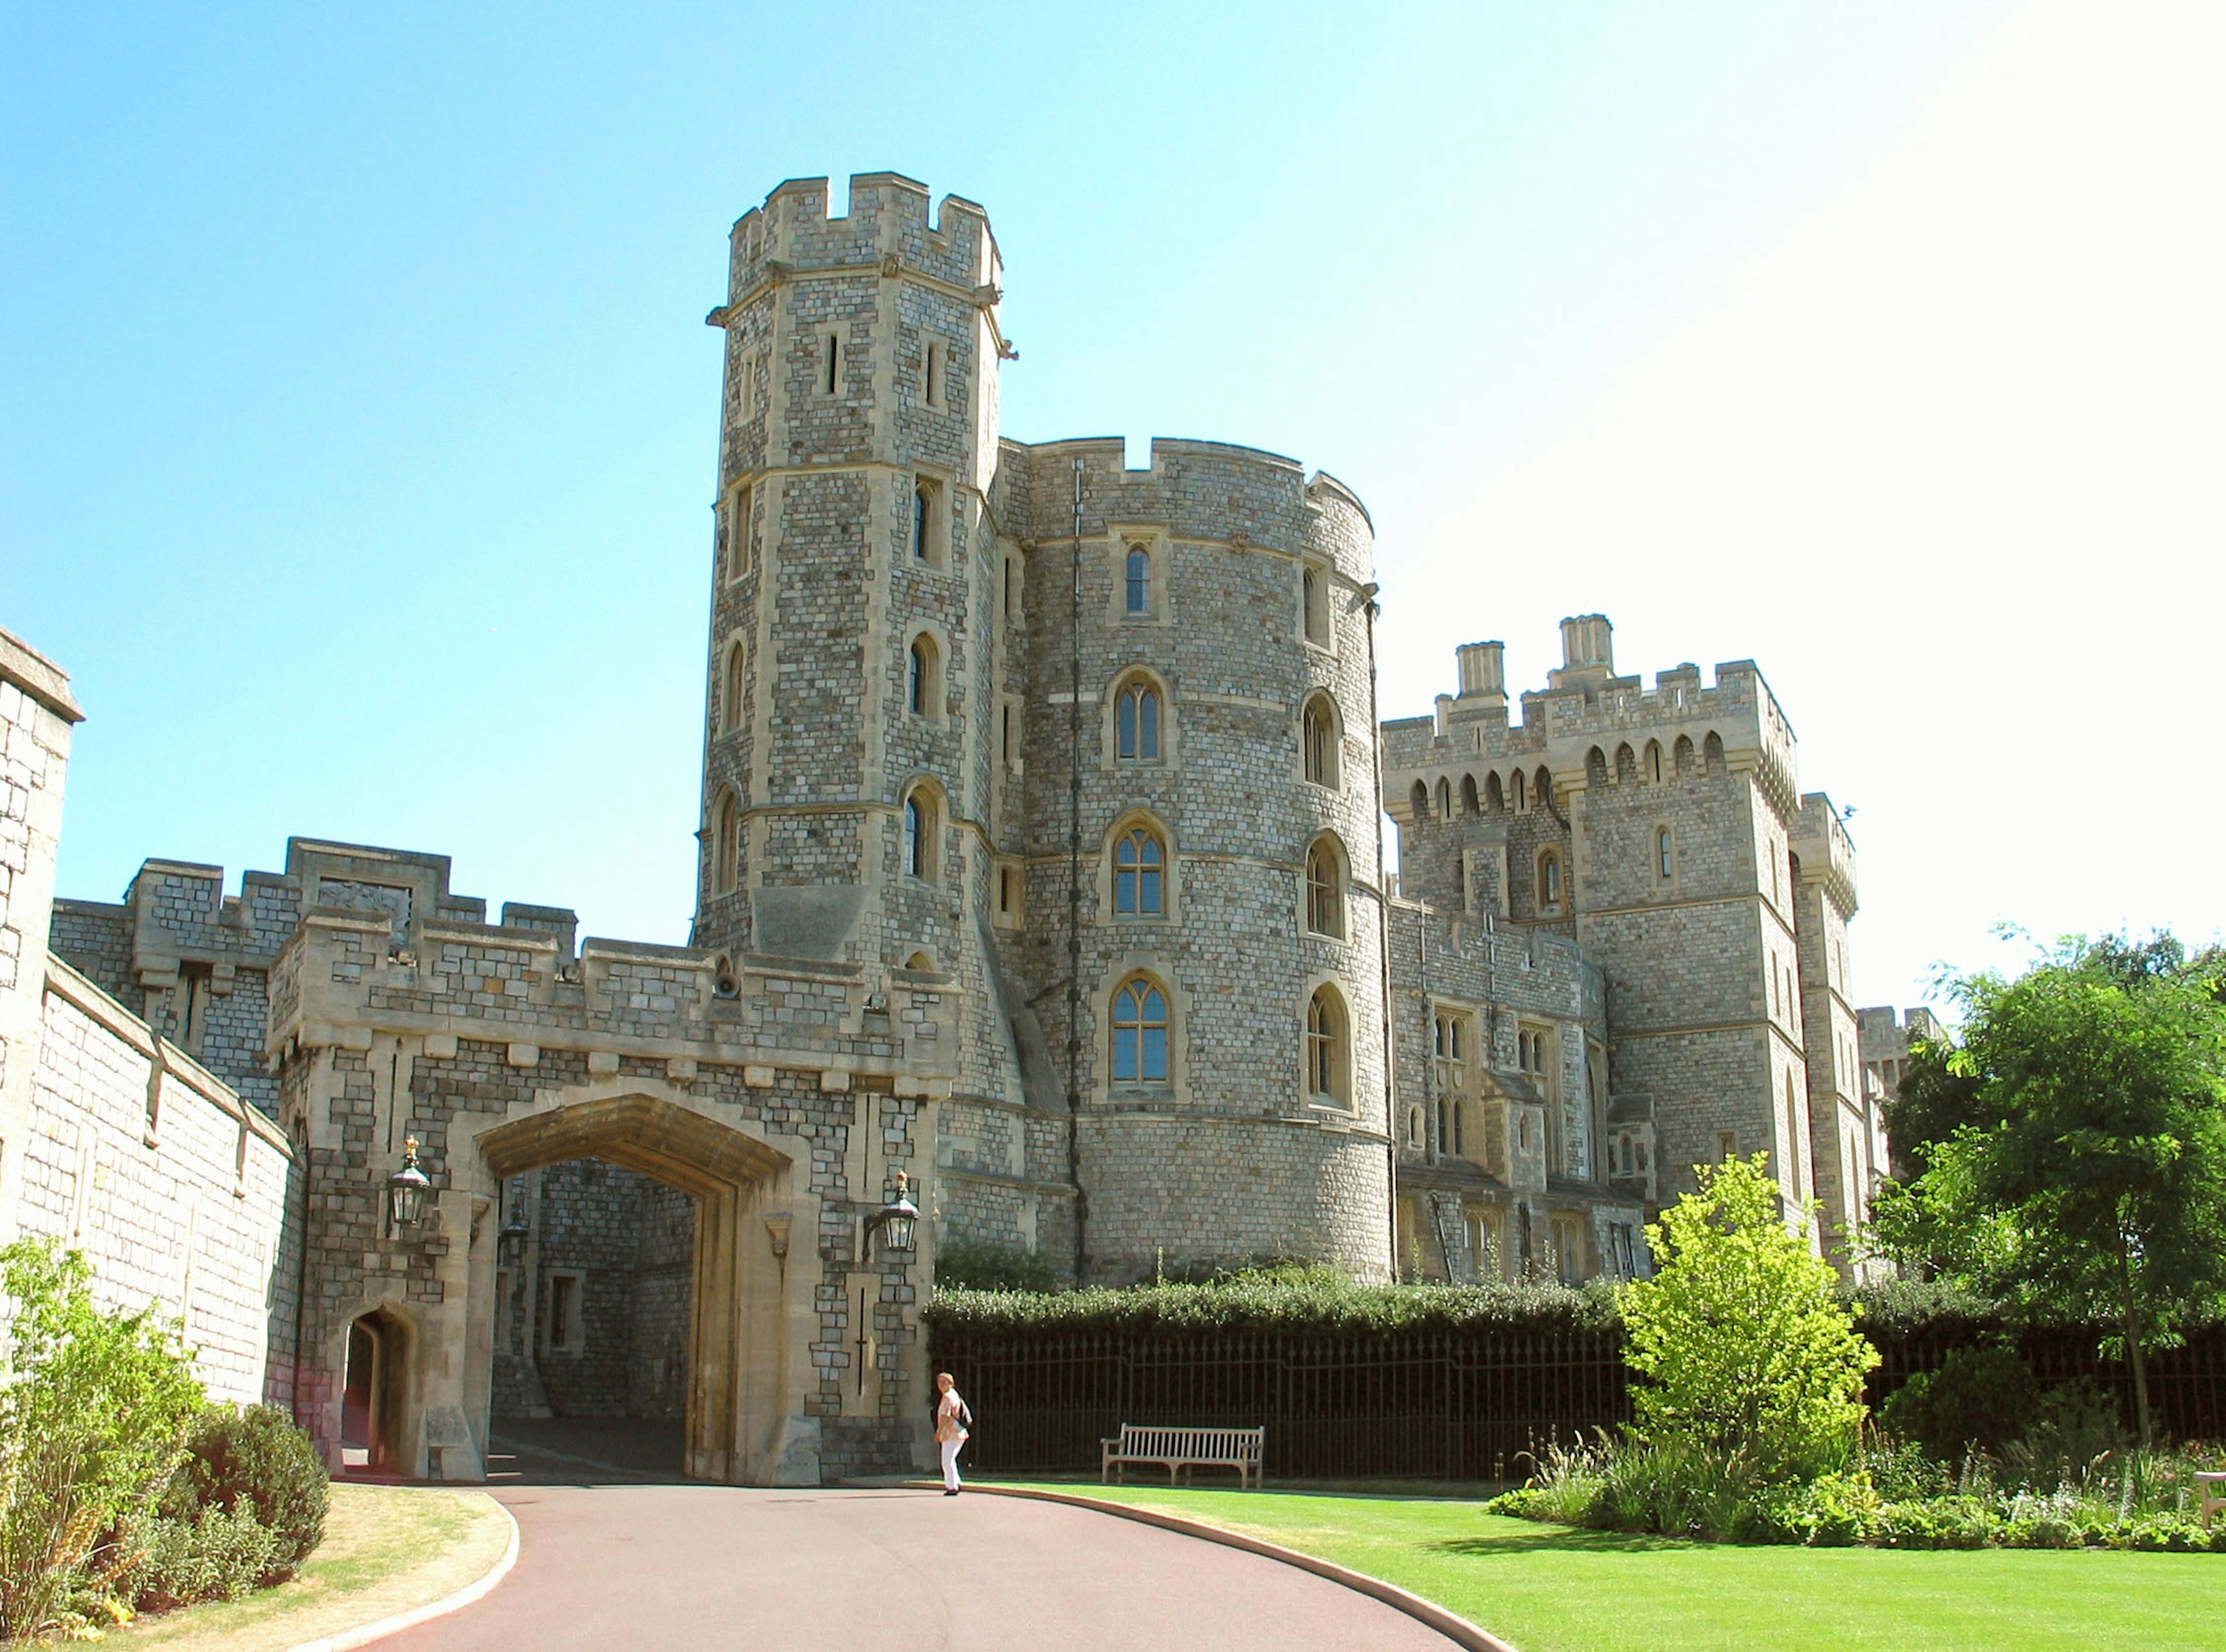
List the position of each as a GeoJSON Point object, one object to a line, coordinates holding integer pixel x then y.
{"type": "Point", "coordinates": [2207, 1489]}
{"type": "Point", "coordinates": [1183, 1449]}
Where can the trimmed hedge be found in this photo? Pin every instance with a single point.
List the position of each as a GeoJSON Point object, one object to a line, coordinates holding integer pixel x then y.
{"type": "Point", "coordinates": [1275, 1299]}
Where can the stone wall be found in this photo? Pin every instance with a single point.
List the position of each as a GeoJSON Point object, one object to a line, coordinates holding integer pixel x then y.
{"type": "Point", "coordinates": [176, 1190]}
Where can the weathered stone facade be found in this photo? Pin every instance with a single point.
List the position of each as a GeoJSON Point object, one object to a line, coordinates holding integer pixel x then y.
{"type": "Point", "coordinates": [1664, 834]}
{"type": "Point", "coordinates": [1038, 862]}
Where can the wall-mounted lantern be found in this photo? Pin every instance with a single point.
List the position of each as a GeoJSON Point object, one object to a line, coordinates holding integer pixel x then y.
{"type": "Point", "coordinates": [895, 1222]}
{"type": "Point", "coordinates": [510, 1242]}
{"type": "Point", "coordinates": [406, 1189]}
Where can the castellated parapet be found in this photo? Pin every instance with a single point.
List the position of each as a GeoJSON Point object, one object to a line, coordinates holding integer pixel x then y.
{"type": "Point", "coordinates": [1664, 832]}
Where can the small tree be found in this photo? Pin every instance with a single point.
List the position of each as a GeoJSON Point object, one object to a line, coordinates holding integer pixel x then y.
{"type": "Point", "coordinates": [2090, 1176]}
{"type": "Point", "coordinates": [1741, 1333]}
{"type": "Point", "coordinates": [92, 1419]}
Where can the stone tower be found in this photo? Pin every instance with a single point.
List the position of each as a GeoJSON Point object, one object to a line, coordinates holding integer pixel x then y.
{"type": "Point", "coordinates": [1665, 831]}
{"type": "Point", "coordinates": [1227, 1009]}
{"type": "Point", "coordinates": [850, 588]}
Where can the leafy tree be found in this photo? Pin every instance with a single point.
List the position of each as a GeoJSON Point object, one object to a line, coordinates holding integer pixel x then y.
{"type": "Point", "coordinates": [1934, 1102]}
{"type": "Point", "coordinates": [2090, 1179]}
{"type": "Point", "coordinates": [93, 1417]}
{"type": "Point", "coordinates": [1742, 1331]}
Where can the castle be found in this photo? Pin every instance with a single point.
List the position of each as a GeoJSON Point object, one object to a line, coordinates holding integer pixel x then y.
{"type": "Point", "coordinates": [1038, 882]}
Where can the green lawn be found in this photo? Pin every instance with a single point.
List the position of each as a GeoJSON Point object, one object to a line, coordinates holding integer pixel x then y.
{"type": "Point", "coordinates": [1552, 1589]}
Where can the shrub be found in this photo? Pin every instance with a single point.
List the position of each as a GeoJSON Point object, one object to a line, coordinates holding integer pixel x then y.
{"type": "Point", "coordinates": [1902, 1470]}
{"type": "Point", "coordinates": [1980, 1398]}
{"type": "Point", "coordinates": [218, 1554]}
{"type": "Point", "coordinates": [258, 1459]}
{"type": "Point", "coordinates": [1953, 1523]}
{"type": "Point", "coordinates": [1831, 1511]}
{"type": "Point", "coordinates": [92, 1421]}
{"type": "Point", "coordinates": [2068, 1434]}
{"type": "Point", "coordinates": [987, 1265]}
{"type": "Point", "coordinates": [1569, 1484]}
{"type": "Point", "coordinates": [1752, 1356]}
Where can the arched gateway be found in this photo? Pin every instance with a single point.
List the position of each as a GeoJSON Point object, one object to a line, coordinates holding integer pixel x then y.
{"type": "Point", "coordinates": [736, 1383]}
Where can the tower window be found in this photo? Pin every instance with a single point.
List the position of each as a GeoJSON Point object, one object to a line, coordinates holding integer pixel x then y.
{"type": "Point", "coordinates": [934, 375]}
{"type": "Point", "coordinates": [930, 534]}
{"type": "Point", "coordinates": [1319, 740]}
{"type": "Point", "coordinates": [725, 844]}
{"type": "Point", "coordinates": [834, 361]}
{"type": "Point", "coordinates": [922, 508]}
{"type": "Point", "coordinates": [920, 833]}
{"type": "Point", "coordinates": [730, 689]}
{"type": "Point", "coordinates": [1329, 1053]}
{"type": "Point", "coordinates": [739, 559]}
{"type": "Point", "coordinates": [1137, 723]}
{"type": "Point", "coordinates": [1313, 602]}
{"type": "Point", "coordinates": [1139, 595]}
{"type": "Point", "coordinates": [1325, 888]}
{"type": "Point", "coordinates": [1661, 863]}
{"type": "Point", "coordinates": [1549, 884]}
{"type": "Point", "coordinates": [924, 678]}
{"type": "Point", "coordinates": [1140, 874]}
{"type": "Point", "coordinates": [1005, 731]}
{"type": "Point", "coordinates": [1140, 1033]}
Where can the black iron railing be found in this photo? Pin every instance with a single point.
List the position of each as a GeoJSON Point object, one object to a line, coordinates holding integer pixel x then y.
{"type": "Point", "coordinates": [1464, 1404]}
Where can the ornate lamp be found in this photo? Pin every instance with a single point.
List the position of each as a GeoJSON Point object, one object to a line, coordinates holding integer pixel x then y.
{"type": "Point", "coordinates": [894, 1221]}
{"type": "Point", "coordinates": [406, 1189]}
{"type": "Point", "coordinates": [510, 1242]}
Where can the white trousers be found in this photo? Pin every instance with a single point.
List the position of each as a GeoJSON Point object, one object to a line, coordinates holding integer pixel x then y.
{"type": "Point", "coordinates": [950, 1450]}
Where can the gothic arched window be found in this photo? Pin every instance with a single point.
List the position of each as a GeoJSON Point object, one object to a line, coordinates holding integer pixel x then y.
{"type": "Point", "coordinates": [922, 503]}
{"type": "Point", "coordinates": [1137, 722]}
{"type": "Point", "coordinates": [1140, 1033]}
{"type": "Point", "coordinates": [1329, 1054]}
{"type": "Point", "coordinates": [923, 677]}
{"type": "Point", "coordinates": [1325, 888]}
{"type": "Point", "coordinates": [1140, 874]}
{"type": "Point", "coordinates": [1139, 600]}
{"type": "Point", "coordinates": [725, 844]}
{"type": "Point", "coordinates": [1318, 740]}
{"type": "Point", "coordinates": [920, 828]}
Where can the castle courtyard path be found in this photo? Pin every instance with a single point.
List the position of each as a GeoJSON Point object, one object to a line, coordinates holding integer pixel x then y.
{"type": "Point", "coordinates": [671, 1565]}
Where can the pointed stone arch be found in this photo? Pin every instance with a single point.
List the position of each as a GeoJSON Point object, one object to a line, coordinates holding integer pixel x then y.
{"type": "Point", "coordinates": [740, 1326]}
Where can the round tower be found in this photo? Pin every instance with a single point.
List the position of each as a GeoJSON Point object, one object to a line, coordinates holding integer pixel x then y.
{"type": "Point", "coordinates": [1222, 979]}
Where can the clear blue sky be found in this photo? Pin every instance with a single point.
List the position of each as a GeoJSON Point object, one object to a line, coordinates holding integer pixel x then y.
{"type": "Point", "coordinates": [357, 414]}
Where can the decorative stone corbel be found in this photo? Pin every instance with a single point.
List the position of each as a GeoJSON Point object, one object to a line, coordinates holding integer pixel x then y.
{"type": "Point", "coordinates": [778, 1223]}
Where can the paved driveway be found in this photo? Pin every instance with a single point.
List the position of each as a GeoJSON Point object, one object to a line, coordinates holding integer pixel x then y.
{"type": "Point", "coordinates": [623, 1566]}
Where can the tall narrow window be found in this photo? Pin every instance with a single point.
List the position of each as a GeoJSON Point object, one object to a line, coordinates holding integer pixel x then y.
{"type": "Point", "coordinates": [924, 678]}
{"type": "Point", "coordinates": [1137, 723]}
{"type": "Point", "coordinates": [730, 692]}
{"type": "Point", "coordinates": [725, 844]}
{"type": "Point", "coordinates": [1314, 598]}
{"type": "Point", "coordinates": [1549, 884]}
{"type": "Point", "coordinates": [919, 832]}
{"type": "Point", "coordinates": [934, 375]}
{"type": "Point", "coordinates": [739, 561]}
{"type": "Point", "coordinates": [1140, 1033]}
{"type": "Point", "coordinates": [1005, 732]}
{"type": "Point", "coordinates": [1140, 579]}
{"type": "Point", "coordinates": [923, 505]}
{"type": "Point", "coordinates": [1140, 874]}
{"type": "Point", "coordinates": [834, 361]}
{"type": "Point", "coordinates": [1318, 736]}
{"type": "Point", "coordinates": [1654, 761]}
{"type": "Point", "coordinates": [1012, 574]}
{"type": "Point", "coordinates": [1519, 805]}
{"type": "Point", "coordinates": [1325, 888]}
{"type": "Point", "coordinates": [1327, 1054]}
{"type": "Point", "coordinates": [1662, 852]}
{"type": "Point", "coordinates": [1445, 800]}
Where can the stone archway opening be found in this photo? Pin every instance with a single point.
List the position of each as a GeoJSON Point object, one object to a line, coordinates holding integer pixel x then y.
{"type": "Point", "coordinates": [375, 1395]}
{"type": "Point", "coordinates": [678, 1319]}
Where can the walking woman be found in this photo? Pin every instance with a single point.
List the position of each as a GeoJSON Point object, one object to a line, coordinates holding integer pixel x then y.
{"type": "Point", "coordinates": [952, 1419]}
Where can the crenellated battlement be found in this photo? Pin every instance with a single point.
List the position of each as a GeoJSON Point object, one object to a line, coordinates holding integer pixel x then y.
{"type": "Point", "coordinates": [1580, 723]}
{"type": "Point", "coordinates": [886, 229]}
